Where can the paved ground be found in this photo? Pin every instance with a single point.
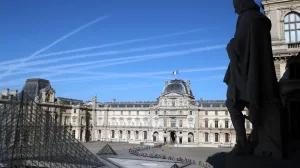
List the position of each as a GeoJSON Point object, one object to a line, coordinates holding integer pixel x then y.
{"type": "Point", "coordinates": [194, 153]}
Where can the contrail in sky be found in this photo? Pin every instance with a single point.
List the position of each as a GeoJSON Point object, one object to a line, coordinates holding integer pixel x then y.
{"type": "Point", "coordinates": [108, 45]}
{"type": "Point", "coordinates": [139, 75]}
{"type": "Point", "coordinates": [112, 52]}
{"type": "Point", "coordinates": [122, 42]}
{"type": "Point", "coordinates": [107, 75]}
{"type": "Point", "coordinates": [6, 73]}
{"type": "Point", "coordinates": [118, 61]}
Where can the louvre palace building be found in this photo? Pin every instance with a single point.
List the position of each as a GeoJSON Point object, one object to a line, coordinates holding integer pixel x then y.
{"type": "Point", "coordinates": [175, 117]}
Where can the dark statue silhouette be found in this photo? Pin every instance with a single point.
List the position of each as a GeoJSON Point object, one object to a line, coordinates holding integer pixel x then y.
{"type": "Point", "coordinates": [273, 106]}
{"type": "Point", "coordinates": [250, 76]}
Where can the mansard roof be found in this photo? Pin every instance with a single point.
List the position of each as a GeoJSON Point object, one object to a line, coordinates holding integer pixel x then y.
{"type": "Point", "coordinates": [33, 86]}
{"type": "Point", "coordinates": [177, 86]}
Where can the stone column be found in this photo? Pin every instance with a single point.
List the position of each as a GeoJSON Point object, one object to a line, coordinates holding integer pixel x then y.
{"type": "Point", "coordinates": [94, 116]}
{"type": "Point", "coordinates": [196, 136]}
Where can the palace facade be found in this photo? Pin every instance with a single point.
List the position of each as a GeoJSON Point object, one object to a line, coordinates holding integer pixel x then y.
{"type": "Point", "coordinates": [285, 32]}
{"type": "Point", "coordinates": [176, 117]}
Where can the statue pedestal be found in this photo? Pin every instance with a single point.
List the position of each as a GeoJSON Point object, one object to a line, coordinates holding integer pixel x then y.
{"type": "Point", "coordinates": [290, 90]}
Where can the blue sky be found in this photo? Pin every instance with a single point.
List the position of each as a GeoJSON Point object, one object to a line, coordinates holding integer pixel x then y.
{"type": "Point", "coordinates": [116, 49]}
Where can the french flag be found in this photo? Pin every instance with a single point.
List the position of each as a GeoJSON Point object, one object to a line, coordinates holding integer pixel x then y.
{"type": "Point", "coordinates": [175, 72]}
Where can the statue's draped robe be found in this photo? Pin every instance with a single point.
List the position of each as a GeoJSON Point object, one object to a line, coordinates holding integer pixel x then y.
{"type": "Point", "coordinates": [251, 73]}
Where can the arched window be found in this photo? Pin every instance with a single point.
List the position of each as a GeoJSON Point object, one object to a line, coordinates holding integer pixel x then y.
{"type": "Point", "coordinates": [190, 137]}
{"type": "Point", "coordinates": [99, 134]}
{"type": "Point", "coordinates": [206, 137]}
{"type": "Point", "coordinates": [120, 134]}
{"type": "Point", "coordinates": [136, 134]}
{"type": "Point", "coordinates": [128, 135]}
{"type": "Point", "coordinates": [145, 135]}
{"type": "Point", "coordinates": [155, 136]}
{"type": "Point", "coordinates": [226, 137]}
{"type": "Point", "coordinates": [112, 134]}
{"type": "Point", "coordinates": [292, 27]}
{"type": "Point", "coordinates": [216, 137]}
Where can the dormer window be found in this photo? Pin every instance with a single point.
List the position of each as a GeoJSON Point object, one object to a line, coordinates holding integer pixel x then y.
{"type": "Point", "coordinates": [292, 27]}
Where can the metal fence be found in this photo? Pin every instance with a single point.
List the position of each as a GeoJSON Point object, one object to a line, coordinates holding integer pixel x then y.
{"type": "Point", "coordinates": [31, 137]}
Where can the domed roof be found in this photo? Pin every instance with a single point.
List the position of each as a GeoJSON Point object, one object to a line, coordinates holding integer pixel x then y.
{"type": "Point", "coordinates": [177, 86]}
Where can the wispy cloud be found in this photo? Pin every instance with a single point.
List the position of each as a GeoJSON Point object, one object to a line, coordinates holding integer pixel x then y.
{"type": "Point", "coordinates": [151, 75]}
{"type": "Point", "coordinates": [108, 45]}
{"type": "Point", "coordinates": [112, 52]}
{"type": "Point", "coordinates": [104, 76]}
{"type": "Point", "coordinates": [22, 61]}
{"type": "Point", "coordinates": [134, 87]}
{"type": "Point", "coordinates": [123, 42]}
{"type": "Point", "coordinates": [117, 61]}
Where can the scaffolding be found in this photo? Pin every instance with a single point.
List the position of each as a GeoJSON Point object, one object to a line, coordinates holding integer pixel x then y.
{"type": "Point", "coordinates": [31, 137]}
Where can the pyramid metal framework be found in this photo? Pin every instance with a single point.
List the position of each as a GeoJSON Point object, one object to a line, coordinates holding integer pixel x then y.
{"type": "Point", "coordinates": [175, 166]}
{"type": "Point", "coordinates": [30, 137]}
{"type": "Point", "coordinates": [106, 150]}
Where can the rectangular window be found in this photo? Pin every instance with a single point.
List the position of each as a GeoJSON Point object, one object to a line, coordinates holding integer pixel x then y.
{"type": "Point", "coordinates": [216, 124]}
{"type": "Point", "coordinates": [180, 123]}
{"type": "Point", "coordinates": [145, 135]}
{"type": "Point", "coordinates": [191, 113]}
{"type": "Point", "coordinates": [206, 113]}
{"type": "Point", "coordinates": [226, 124]}
{"type": "Point", "coordinates": [216, 112]}
{"type": "Point", "coordinates": [155, 112]}
{"type": "Point", "coordinates": [165, 122]}
{"type": "Point", "coordinates": [73, 134]}
{"type": "Point", "coordinates": [173, 122]}
{"type": "Point", "coordinates": [226, 112]}
{"type": "Point", "coordinates": [191, 123]}
{"type": "Point", "coordinates": [206, 123]}
{"type": "Point", "coordinates": [137, 113]}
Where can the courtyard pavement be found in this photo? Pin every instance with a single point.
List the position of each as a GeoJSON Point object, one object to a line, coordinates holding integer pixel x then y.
{"type": "Point", "coordinates": [194, 153]}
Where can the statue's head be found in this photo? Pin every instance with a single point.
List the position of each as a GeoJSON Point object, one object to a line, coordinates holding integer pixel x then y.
{"type": "Point", "coordinates": [242, 5]}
